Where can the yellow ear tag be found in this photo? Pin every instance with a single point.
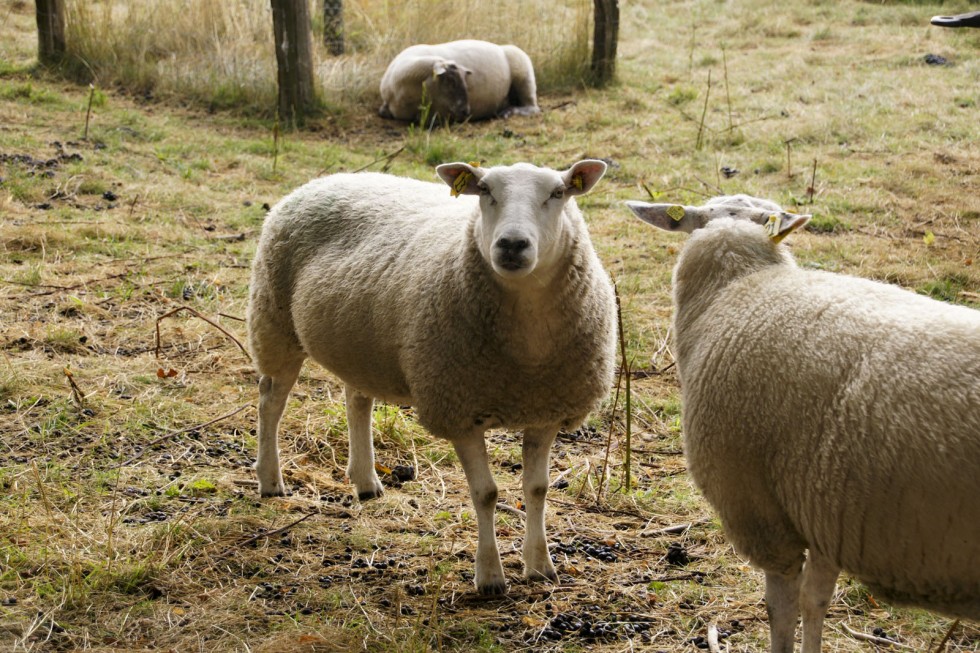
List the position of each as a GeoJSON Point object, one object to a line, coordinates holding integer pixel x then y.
{"type": "Point", "coordinates": [578, 180]}
{"type": "Point", "coordinates": [460, 183]}
{"type": "Point", "coordinates": [773, 226]}
{"type": "Point", "coordinates": [675, 212]}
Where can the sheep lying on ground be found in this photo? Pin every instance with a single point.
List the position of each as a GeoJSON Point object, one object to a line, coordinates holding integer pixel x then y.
{"type": "Point", "coordinates": [461, 80]}
{"type": "Point", "coordinates": [488, 310]}
{"type": "Point", "coordinates": [675, 217]}
{"type": "Point", "coordinates": [834, 415]}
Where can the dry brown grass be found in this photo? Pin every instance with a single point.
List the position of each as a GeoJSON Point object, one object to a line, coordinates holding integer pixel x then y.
{"type": "Point", "coordinates": [172, 550]}
{"type": "Point", "coordinates": [221, 54]}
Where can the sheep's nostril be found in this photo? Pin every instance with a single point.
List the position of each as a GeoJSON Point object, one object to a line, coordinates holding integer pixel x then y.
{"type": "Point", "coordinates": [513, 245]}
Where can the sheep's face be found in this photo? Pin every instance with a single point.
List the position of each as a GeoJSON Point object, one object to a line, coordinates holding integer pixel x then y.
{"type": "Point", "coordinates": [675, 217]}
{"type": "Point", "coordinates": [523, 227]}
{"type": "Point", "coordinates": [447, 92]}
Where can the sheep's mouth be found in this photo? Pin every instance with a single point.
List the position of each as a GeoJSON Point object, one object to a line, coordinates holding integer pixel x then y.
{"type": "Point", "coordinates": [511, 265]}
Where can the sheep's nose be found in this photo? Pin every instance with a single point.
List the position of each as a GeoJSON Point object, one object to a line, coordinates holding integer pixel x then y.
{"type": "Point", "coordinates": [513, 246]}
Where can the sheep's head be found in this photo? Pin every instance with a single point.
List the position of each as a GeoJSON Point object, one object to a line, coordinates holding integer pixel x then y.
{"type": "Point", "coordinates": [446, 91]}
{"type": "Point", "coordinates": [676, 217]}
{"type": "Point", "coordinates": [522, 207]}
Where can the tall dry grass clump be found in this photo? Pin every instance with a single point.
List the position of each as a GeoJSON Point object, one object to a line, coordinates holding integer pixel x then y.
{"type": "Point", "coordinates": [221, 54]}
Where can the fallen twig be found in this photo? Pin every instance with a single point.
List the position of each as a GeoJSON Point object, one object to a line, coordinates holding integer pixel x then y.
{"type": "Point", "coordinates": [511, 509]}
{"type": "Point", "coordinates": [674, 530]}
{"type": "Point", "coordinates": [949, 633]}
{"type": "Point", "coordinates": [880, 641]}
{"type": "Point", "coordinates": [272, 533]}
{"type": "Point", "coordinates": [713, 645]}
{"type": "Point", "coordinates": [167, 436]}
{"type": "Point", "coordinates": [196, 314]}
{"type": "Point", "coordinates": [388, 157]}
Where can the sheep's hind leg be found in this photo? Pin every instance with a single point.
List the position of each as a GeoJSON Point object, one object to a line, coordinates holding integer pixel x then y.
{"type": "Point", "coordinates": [783, 606]}
{"type": "Point", "coordinates": [273, 393]}
{"type": "Point", "coordinates": [536, 453]}
{"type": "Point", "coordinates": [360, 464]}
{"type": "Point", "coordinates": [819, 579]}
{"type": "Point", "coordinates": [472, 452]}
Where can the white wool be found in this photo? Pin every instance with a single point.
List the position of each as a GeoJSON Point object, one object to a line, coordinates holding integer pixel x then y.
{"type": "Point", "coordinates": [486, 310]}
{"type": "Point", "coordinates": [497, 80]}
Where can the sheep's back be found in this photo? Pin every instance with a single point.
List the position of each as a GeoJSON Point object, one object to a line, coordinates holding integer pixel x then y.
{"type": "Point", "coordinates": [490, 82]}
{"type": "Point", "coordinates": [350, 252]}
{"type": "Point", "coordinates": [858, 405]}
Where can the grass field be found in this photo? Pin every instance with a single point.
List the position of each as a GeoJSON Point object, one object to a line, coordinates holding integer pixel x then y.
{"type": "Point", "coordinates": [129, 516]}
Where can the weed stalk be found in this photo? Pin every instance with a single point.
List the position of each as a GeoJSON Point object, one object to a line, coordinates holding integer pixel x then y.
{"type": "Point", "coordinates": [704, 113]}
{"type": "Point", "coordinates": [88, 111]}
{"type": "Point", "coordinates": [275, 144]}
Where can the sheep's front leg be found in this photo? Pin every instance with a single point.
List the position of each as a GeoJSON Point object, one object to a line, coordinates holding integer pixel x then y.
{"type": "Point", "coordinates": [537, 454]}
{"type": "Point", "coordinates": [783, 606]}
{"type": "Point", "coordinates": [472, 453]}
{"type": "Point", "coordinates": [819, 579]}
{"type": "Point", "coordinates": [273, 393]}
{"type": "Point", "coordinates": [360, 463]}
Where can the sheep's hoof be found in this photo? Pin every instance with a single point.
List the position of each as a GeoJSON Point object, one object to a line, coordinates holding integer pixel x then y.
{"type": "Point", "coordinates": [277, 489]}
{"type": "Point", "coordinates": [492, 589]}
{"type": "Point", "coordinates": [367, 495]}
{"type": "Point", "coordinates": [548, 575]}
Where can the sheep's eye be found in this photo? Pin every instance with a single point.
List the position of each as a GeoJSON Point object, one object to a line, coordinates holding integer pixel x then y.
{"type": "Point", "coordinates": [485, 192]}
{"type": "Point", "coordinates": [558, 193]}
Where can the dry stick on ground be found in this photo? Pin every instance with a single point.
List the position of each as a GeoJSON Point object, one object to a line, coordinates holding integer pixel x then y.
{"type": "Point", "coordinates": [387, 157]}
{"type": "Point", "coordinates": [196, 314]}
{"type": "Point", "coordinates": [880, 641]}
{"type": "Point", "coordinates": [674, 530]}
{"type": "Point", "coordinates": [713, 639]}
{"type": "Point", "coordinates": [167, 436]}
{"type": "Point", "coordinates": [511, 509]}
{"type": "Point", "coordinates": [949, 633]}
{"type": "Point", "coordinates": [272, 533]}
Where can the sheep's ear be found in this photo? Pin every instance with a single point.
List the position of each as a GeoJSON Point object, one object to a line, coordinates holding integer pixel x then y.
{"type": "Point", "coordinates": [779, 225]}
{"type": "Point", "coordinates": [441, 67]}
{"type": "Point", "coordinates": [461, 177]}
{"type": "Point", "coordinates": [669, 217]}
{"type": "Point", "coordinates": [581, 177]}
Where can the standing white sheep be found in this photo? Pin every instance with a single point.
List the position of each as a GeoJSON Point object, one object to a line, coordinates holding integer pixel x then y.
{"type": "Point", "coordinates": [489, 310]}
{"type": "Point", "coordinates": [461, 80]}
{"type": "Point", "coordinates": [830, 415]}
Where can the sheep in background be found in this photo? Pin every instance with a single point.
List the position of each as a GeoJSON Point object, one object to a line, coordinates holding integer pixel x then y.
{"type": "Point", "coordinates": [461, 80]}
{"type": "Point", "coordinates": [486, 311]}
{"type": "Point", "coordinates": [830, 415]}
{"type": "Point", "coordinates": [677, 217]}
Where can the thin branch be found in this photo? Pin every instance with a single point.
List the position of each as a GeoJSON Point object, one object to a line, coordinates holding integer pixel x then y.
{"type": "Point", "coordinates": [880, 641]}
{"type": "Point", "coordinates": [673, 530]}
{"type": "Point", "coordinates": [511, 509]}
{"type": "Point", "coordinates": [196, 314]}
{"type": "Point", "coordinates": [713, 639]}
{"type": "Point", "coordinates": [388, 157]}
{"type": "Point", "coordinates": [268, 533]}
{"type": "Point", "coordinates": [949, 633]}
{"type": "Point", "coordinates": [146, 448]}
